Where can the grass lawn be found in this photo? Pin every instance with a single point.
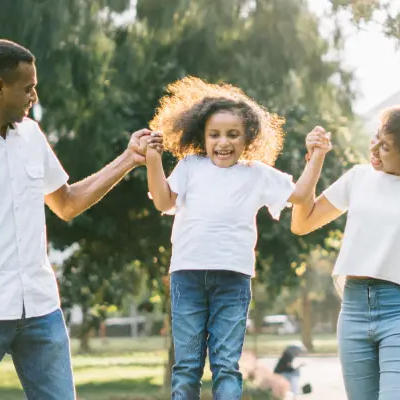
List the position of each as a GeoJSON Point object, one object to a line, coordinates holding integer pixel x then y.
{"type": "Point", "coordinates": [132, 369]}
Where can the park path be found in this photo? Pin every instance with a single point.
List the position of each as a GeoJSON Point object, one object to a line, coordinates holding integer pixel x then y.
{"type": "Point", "coordinates": [324, 374]}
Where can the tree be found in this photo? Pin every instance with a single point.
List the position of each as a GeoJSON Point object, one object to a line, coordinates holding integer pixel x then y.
{"type": "Point", "coordinates": [100, 80]}
{"type": "Point", "coordinates": [385, 12]}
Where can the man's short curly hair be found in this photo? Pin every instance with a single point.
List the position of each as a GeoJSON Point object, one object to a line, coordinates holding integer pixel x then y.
{"type": "Point", "coordinates": [190, 102]}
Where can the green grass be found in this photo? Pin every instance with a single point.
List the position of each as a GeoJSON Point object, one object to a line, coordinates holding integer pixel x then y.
{"type": "Point", "coordinates": [266, 345]}
{"type": "Point", "coordinates": [133, 369]}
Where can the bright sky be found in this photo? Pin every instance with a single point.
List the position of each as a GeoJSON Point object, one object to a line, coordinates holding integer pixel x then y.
{"type": "Point", "coordinates": [373, 57]}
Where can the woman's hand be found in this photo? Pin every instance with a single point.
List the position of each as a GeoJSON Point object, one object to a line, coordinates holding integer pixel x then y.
{"type": "Point", "coordinates": [319, 139]}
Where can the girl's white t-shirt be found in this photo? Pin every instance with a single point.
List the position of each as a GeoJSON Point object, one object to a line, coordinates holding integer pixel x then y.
{"type": "Point", "coordinates": [215, 213]}
{"type": "Point", "coordinates": [371, 241]}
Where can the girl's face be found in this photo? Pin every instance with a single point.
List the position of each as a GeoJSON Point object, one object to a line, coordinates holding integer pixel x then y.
{"type": "Point", "coordinates": [225, 138]}
{"type": "Point", "coordinates": [385, 154]}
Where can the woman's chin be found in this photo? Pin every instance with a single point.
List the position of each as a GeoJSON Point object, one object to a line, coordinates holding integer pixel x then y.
{"type": "Point", "coordinates": [377, 166]}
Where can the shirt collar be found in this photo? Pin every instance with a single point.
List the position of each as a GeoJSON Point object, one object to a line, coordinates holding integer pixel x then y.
{"type": "Point", "coordinates": [14, 127]}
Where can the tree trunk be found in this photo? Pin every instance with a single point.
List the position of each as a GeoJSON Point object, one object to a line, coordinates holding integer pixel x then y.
{"type": "Point", "coordinates": [335, 311]}
{"type": "Point", "coordinates": [169, 340]}
{"type": "Point", "coordinates": [169, 364]}
{"type": "Point", "coordinates": [84, 335]}
{"type": "Point", "coordinates": [306, 329]}
{"type": "Point", "coordinates": [84, 343]}
{"type": "Point", "coordinates": [257, 325]}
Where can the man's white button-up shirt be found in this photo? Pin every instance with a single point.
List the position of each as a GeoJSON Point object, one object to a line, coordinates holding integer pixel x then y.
{"type": "Point", "coordinates": [29, 170]}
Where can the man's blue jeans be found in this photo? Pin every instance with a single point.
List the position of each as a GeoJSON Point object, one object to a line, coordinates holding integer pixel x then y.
{"type": "Point", "coordinates": [209, 310]}
{"type": "Point", "coordinates": [369, 339]}
{"type": "Point", "coordinates": [41, 354]}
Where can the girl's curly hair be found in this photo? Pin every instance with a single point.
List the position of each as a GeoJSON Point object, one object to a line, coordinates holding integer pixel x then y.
{"type": "Point", "coordinates": [183, 114]}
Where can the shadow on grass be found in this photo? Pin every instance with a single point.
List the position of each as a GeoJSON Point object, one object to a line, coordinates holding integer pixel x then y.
{"type": "Point", "coordinates": [11, 394]}
{"type": "Point", "coordinates": [130, 389]}
{"type": "Point", "coordinates": [144, 389]}
{"type": "Point", "coordinates": [123, 389]}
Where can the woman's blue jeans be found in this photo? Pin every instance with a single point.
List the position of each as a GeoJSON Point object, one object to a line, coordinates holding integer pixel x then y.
{"type": "Point", "coordinates": [369, 339]}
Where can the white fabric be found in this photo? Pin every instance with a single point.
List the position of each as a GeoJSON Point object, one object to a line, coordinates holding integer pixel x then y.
{"type": "Point", "coordinates": [370, 244]}
{"type": "Point", "coordinates": [28, 170]}
{"type": "Point", "coordinates": [216, 208]}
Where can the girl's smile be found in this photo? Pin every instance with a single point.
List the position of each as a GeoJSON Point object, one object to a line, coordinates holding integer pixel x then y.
{"type": "Point", "coordinates": [225, 138]}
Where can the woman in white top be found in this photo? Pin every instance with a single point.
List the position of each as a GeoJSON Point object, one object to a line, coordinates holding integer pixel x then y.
{"type": "Point", "coordinates": [225, 142]}
{"type": "Point", "coordinates": [368, 267]}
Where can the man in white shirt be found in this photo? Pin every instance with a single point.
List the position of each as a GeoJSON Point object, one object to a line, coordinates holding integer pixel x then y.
{"type": "Point", "coordinates": [32, 327]}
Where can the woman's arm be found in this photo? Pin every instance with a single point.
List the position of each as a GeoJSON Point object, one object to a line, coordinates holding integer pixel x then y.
{"type": "Point", "coordinates": [313, 214]}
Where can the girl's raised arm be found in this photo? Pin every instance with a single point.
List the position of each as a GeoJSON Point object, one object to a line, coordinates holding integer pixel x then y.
{"type": "Point", "coordinates": [164, 199]}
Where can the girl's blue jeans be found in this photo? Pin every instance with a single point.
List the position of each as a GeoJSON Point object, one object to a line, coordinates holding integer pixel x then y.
{"type": "Point", "coordinates": [209, 312]}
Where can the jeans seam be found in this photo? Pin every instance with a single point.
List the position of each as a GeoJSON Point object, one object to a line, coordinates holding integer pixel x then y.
{"type": "Point", "coordinates": [23, 379]}
{"type": "Point", "coordinates": [372, 320]}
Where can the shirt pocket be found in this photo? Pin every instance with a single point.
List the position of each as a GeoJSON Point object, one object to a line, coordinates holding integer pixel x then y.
{"type": "Point", "coordinates": [35, 180]}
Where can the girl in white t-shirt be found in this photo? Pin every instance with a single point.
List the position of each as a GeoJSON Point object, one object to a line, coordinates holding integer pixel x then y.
{"type": "Point", "coordinates": [367, 271]}
{"type": "Point", "coordinates": [227, 145]}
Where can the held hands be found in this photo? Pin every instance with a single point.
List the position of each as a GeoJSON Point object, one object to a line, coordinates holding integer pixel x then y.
{"type": "Point", "coordinates": [153, 142]}
{"type": "Point", "coordinates": [318, 140]}
{"type": "Point", "coordinates": [142, 140]}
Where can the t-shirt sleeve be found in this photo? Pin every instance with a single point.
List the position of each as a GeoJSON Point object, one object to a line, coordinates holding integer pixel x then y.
{"type": "Point", "coordinates": [338, 194]}
{"type": "Point", "coordinates": [54, 174]}
{"type": "Point", "coordinates": [276, 188]}
{"type": "Point", "coordinates": [177, 179]}
{"type": "Point", "coordinates": [178, 183]}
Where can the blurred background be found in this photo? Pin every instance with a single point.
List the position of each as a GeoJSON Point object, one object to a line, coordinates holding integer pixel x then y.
{"type": "Point", "coordinates": [102, 67]}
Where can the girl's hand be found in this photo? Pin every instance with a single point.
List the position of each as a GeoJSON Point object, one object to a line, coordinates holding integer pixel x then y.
{"type": "Point", "coordinates": [319, 139]}
{"type": "Point", "coordinates": [152, 141]}
{"type": "Point", "coordinates": [156, 141]}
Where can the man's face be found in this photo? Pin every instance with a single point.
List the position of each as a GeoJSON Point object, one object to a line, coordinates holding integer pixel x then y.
{"type": "Point", "coordinates": [18, 94]}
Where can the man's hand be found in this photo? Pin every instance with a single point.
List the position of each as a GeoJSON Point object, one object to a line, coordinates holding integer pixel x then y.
{"type": "Point", "coordinates": [140, 140]}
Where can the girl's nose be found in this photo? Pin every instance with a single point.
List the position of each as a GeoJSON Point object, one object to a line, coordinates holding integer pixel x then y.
{"type": "Point", "coordinates": [224, 140]}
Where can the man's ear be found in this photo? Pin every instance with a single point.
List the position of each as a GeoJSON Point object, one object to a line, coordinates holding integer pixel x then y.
{"type": "Point", "coordinates": [1, 86]}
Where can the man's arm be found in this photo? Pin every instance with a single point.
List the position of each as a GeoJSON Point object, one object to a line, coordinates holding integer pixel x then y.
{"type": "Point", "coordinates": [71, 200]}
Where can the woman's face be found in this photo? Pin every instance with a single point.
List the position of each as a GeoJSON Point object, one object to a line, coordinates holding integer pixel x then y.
{"type": "Point", "coordinates": [385, 153]}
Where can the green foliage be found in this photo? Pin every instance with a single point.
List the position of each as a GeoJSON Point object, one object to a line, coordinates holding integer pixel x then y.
{"type": "Point", "coordinates": [385, 12]}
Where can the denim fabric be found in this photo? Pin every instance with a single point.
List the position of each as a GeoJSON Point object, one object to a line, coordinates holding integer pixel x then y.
{"type": "Point", "coordinates": [40, 351]}
{"type": "Point", "coordinates": [369, 339]}
{"type": "Point", "coordinates": [209, 311]}
{"type": "Point", "coordinates": [294, 380]}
